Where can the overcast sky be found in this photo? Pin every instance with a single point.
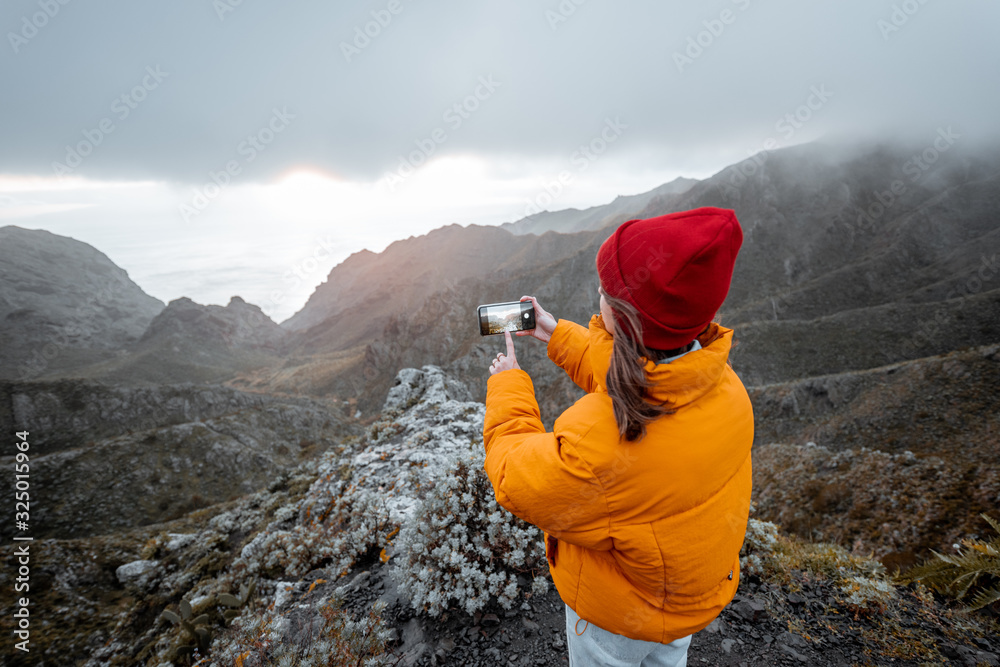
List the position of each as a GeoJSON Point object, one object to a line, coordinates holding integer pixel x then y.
{"type": "Point", "coordinates": [224, 147]}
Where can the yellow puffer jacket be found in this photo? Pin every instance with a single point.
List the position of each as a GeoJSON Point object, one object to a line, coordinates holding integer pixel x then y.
{"type": "Point", "coordinates": [642, 538]}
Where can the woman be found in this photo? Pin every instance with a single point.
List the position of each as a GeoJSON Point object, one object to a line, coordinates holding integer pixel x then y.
{"type": "Point", "coordinates": [642, 488]}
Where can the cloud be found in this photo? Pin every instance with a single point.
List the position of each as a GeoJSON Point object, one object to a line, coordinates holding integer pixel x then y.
{"type": "Point", "coordinates": [10, 208]}
{"type": "Point", "coordinates": [173, 91]}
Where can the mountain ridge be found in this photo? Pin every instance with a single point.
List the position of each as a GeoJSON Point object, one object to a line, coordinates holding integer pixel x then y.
{"type": "Point", "coordinates": [596, 217]}
{"type": "Point", "coordinates": [63, 303]}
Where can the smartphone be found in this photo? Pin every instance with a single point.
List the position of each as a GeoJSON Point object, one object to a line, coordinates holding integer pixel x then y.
{"type": "Point", "coordinates": [495, 318]}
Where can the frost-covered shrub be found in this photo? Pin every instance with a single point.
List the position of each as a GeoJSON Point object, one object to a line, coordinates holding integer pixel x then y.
{"type": "Point", "coordinates": [363, 492]}
{"type": "Point", "coordinates": [462, 547]}
{"type": "Point", "coordinates": [760, 536]}
{"type": "Point", "coordinates": [867, 595]}
{"type": "Point", "coordinates": [354, 524]}
{"type": "Point", "coordinates": [758, 545]}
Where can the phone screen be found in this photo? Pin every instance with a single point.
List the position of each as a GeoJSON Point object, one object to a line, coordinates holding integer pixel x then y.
{"type": "Point", "coordinates": [495, 318]}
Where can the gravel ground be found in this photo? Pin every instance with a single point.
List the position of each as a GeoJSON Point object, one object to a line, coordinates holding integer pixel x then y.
{"type": "Point", "coordinates": [764, 625]}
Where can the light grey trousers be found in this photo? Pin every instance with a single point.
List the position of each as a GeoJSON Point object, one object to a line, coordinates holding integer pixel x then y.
{"type": "Point", "coordinates": [591, 646]}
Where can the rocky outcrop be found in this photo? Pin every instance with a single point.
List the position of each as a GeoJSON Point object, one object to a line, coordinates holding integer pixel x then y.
{"type": "Point", "coordinates": [63, 304]}
{"type": "Point", "coordinates": [437, 424]}
{"type": "Point", "coordinates": [427, 425]}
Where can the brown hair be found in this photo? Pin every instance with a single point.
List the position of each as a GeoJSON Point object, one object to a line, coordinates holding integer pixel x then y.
{"type": "Point", "coordinates": [627, 383]}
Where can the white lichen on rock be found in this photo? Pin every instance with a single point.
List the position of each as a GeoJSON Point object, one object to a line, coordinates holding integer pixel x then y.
{"type": "Point", "coordinates": [139, 573]}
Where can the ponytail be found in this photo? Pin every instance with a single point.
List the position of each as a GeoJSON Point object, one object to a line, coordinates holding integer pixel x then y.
{"type": "Point", "coordinates": [627, 383]}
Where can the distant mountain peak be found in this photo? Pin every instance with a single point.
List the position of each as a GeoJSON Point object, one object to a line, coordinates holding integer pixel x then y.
{"type": "Point", "coordinates": [238, 324]}
{"type": "Point", "coordinates": [62, 303]}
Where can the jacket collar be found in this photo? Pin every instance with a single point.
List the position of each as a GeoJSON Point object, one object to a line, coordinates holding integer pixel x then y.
{"type": "Point", "coordinates": [680, 382]}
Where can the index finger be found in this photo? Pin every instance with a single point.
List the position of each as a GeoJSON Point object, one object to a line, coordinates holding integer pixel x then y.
{"type": "Point", "coordinates": [510, 344]}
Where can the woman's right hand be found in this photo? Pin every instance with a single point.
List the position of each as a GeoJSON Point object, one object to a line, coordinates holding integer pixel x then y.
{"type": "Point", "coordinates": [545, 324]}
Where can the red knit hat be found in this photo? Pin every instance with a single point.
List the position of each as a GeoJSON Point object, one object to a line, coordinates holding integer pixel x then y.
{"type": "Point", "coordinates": [675, 269]}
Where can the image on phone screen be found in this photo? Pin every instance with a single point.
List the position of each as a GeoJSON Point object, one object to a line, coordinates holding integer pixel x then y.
{"type": "Point", "coordinates": [495, 318]}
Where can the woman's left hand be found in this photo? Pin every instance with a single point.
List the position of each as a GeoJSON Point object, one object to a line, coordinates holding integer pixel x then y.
{"type": "Point", "coordinates": [505, 362]}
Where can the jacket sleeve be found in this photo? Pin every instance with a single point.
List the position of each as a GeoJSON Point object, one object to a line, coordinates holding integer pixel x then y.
{"type": "Point", "coordinates": [539, 476]}
{"type": "Point", "coordinates": [569, 349]}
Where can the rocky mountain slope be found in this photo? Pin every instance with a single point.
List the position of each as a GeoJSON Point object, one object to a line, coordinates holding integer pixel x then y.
{"type": "Point", "coordinates": [624, 207]}
{"type": "Point", "coordinates": [851, 260]}
{"type": "Point", "coordinates": [332, 549]}
{"type": "Point", "coordinates": [238, 323]}
{"type": "Point", "coordinates": [111, 458]}
{"type": "Point", "coordinates": [829, 278]}
{"type": "Point", "coordinates": [70, 413]}
{"type": "Point", "coordinates": [66, 310]}
{"type": "Point", "coordinates": [899, 459]}
{"type": "Point", "coordinates": [862, 338]}
{"type": "Point", "coordinates": [63, 304]}
{"type": "Point", "coordinates": [819, 240]}
{"type": "Point", "coordinates": [189, 342]}
{"type": "Point", "coordinates": [943, 405]}
{"type": "Point", "coordinates": [365, 290]}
